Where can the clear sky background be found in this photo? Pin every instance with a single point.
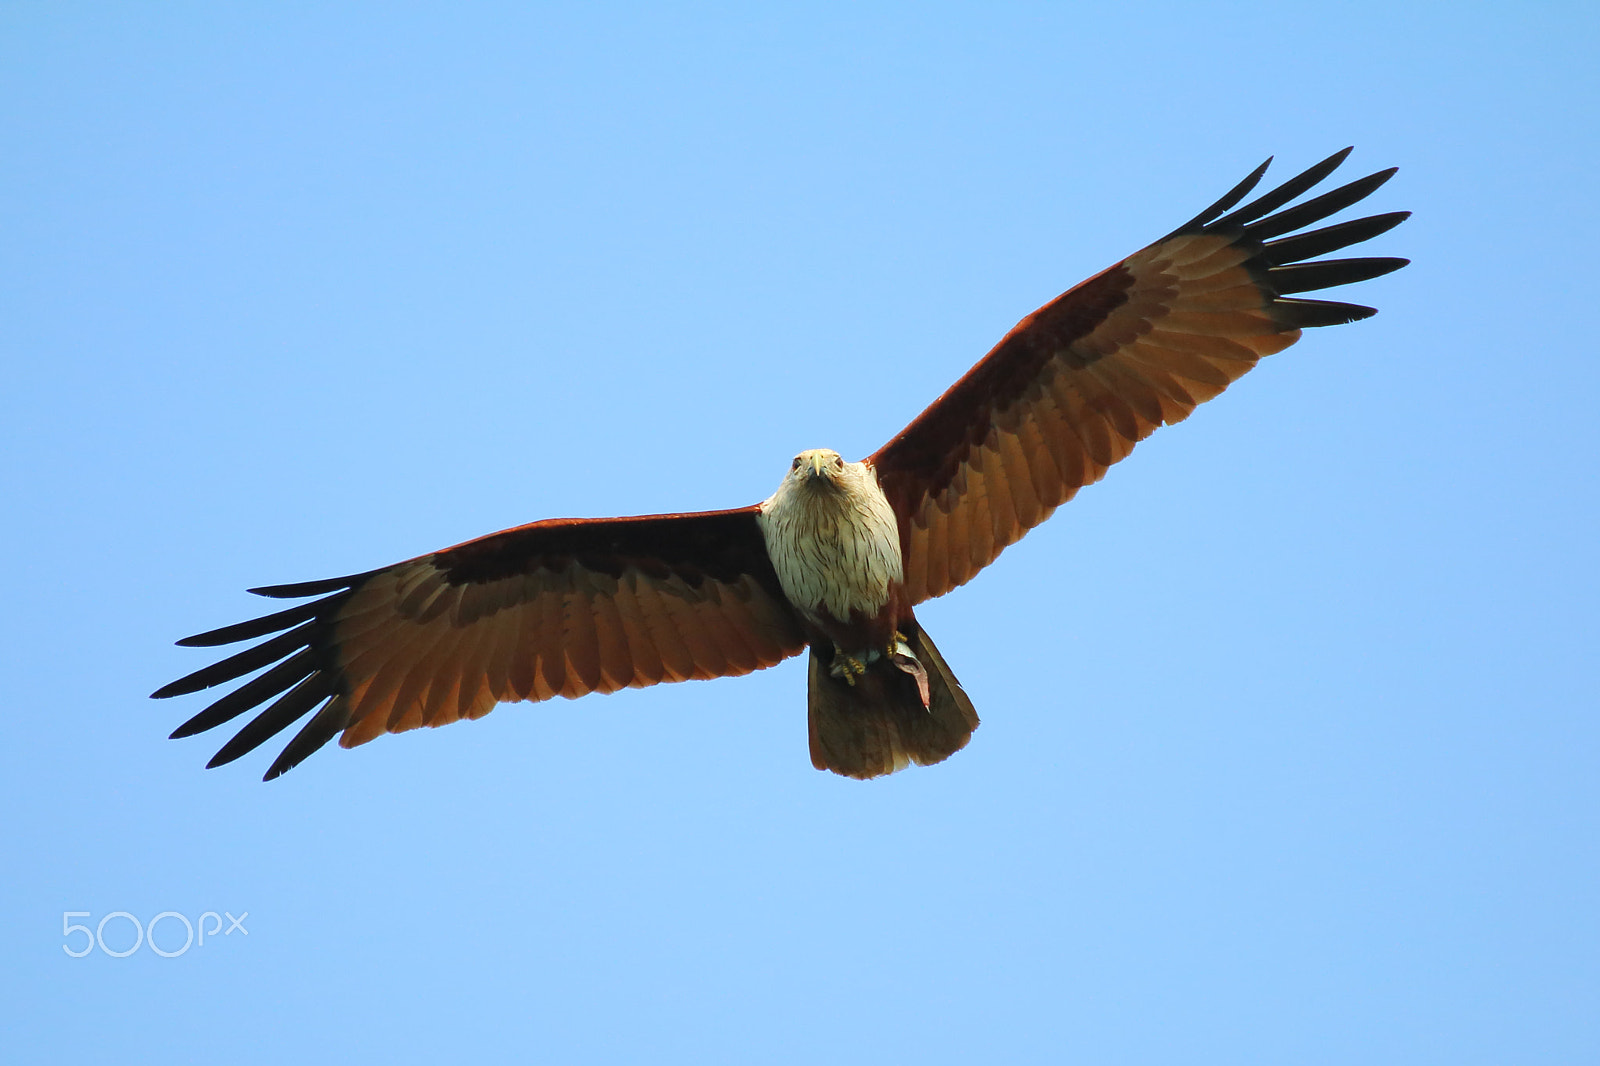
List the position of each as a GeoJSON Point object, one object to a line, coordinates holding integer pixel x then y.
{"type": "Point", "coordinates": [1290, 729]}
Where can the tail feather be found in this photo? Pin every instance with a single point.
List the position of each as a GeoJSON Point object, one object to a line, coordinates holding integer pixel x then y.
{"type": "Point", "coordinates": [879, 724]}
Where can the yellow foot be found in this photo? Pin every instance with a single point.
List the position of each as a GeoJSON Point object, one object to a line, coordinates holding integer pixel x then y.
{"type": "Point", "coordinates": [847, 667]}
{"type": "Point", "coordinates": [898, 645]}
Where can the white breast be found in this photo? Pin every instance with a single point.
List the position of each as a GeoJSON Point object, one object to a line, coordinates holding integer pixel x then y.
{"type": "Point", "coordinates": [836, 550]}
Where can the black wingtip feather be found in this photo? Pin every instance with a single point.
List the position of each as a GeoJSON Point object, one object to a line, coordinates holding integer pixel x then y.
{"type": "Point", "coordinates": [275, 719]}
{"type": "Point", "coordinates": [1326, 273]}
{"type": "Point", "coordinates": [1306, 179]}
{"type": "Point", "coordinates": [237, 665]}
{"type": "Point", "coordinates": [323, 727]}
{"type": "Point", "coordinates": [285, 675]}
{"type": "Point", "coordinates": [311, 588]}
{"type": "Point", "coordinates": [1309, 314]}
{"type": "Point", "coordinates": [1315, 210]}
{"type": "Point", "coordinates": [1233, 196]}
{"type": "Point", "coordinates": [255, 627]}
{"type": "Point", "coordinates": [1280, 265]}
{"type": "Point", "coordinates": [1317, 242]}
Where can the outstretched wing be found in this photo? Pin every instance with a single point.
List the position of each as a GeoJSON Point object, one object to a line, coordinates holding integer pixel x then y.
{"type": "Point", "coordinates": [1080, 381]}
{"type": "Point", "coordinates": [557, 608]}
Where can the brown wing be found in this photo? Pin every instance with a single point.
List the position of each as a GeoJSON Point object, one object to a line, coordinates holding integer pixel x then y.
{"type": "Point", "coordinates": [557, 608]}
{"type": "Point", "coordinates": [1077, 383]}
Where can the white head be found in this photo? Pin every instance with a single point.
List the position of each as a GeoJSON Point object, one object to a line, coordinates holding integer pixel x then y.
{"type": "Point", "coordinates": [817, 469]}
{"type": "Point", "coordinates": [820, 482]}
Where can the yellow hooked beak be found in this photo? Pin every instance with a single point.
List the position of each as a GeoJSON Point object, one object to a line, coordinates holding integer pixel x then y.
{"type": "Point", "coordinates": [817, 467]}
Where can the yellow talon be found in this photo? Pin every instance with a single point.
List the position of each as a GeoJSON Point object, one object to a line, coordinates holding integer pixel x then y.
{"type": "Point", "coordinates": [847, 667]}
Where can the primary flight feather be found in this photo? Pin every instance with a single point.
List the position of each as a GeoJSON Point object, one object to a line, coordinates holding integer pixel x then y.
{"type": "Point", "coordinates": [840, 555]}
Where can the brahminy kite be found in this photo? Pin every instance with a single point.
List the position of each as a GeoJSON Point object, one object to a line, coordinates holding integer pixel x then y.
{"type": "Point", "coordinates": [838, 558]}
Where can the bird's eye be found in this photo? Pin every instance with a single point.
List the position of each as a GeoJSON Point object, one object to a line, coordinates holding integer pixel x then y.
{"type": "Point", "coordinates": [796, 464]}
{"type": "Point", "coordinates": [838, 462]}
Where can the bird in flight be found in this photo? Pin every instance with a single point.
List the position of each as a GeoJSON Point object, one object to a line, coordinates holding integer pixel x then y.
{"type": "Point", "coordinates": [839, 557]}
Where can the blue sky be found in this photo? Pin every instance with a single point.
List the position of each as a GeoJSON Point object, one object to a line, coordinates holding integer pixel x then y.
{"type": "Point", "coordinates": [1289, 745]}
